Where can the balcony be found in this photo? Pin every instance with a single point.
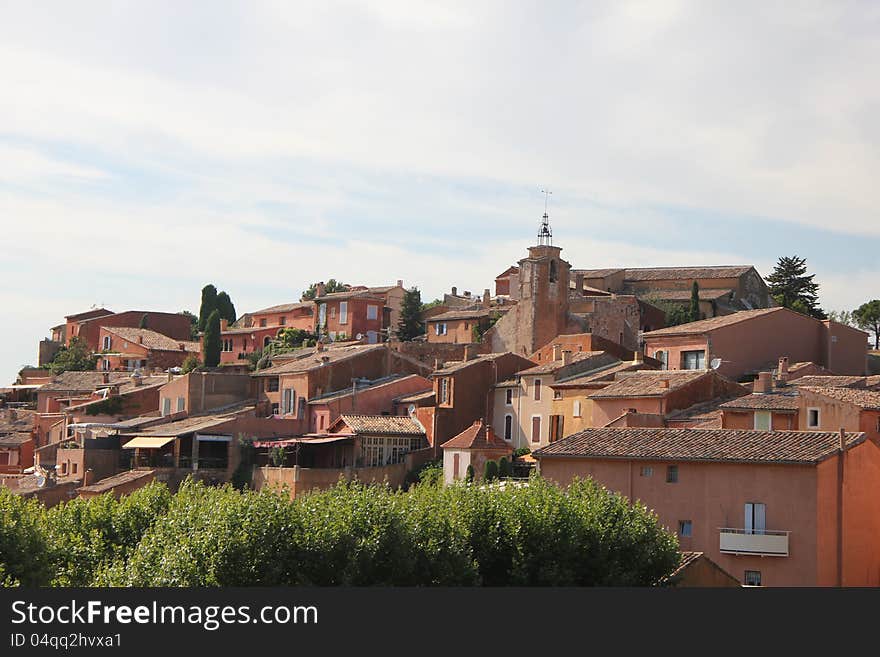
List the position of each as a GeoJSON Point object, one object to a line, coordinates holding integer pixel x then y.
{"type": "Point", "coordinates": [754, 542]}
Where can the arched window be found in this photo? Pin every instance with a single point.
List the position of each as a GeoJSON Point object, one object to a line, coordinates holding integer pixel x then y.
{"type": "Point", "coordinates": [266, 341]}
{"type": "Point", "coordinates": [554, 274]}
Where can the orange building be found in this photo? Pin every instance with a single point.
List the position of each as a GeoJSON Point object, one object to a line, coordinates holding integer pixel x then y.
{"type": "Point", "coordinates": [128, 349]}
{"type": "Point", "coordinates": [458, 326]}
{"type": "Point", "coordinates": [774, 508]}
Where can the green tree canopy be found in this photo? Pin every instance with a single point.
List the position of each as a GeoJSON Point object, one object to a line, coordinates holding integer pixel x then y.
{"type": "Point", "coordinates": [791, 287]}
{"type": "Point", "coordinates": [76, 357]}
{"type": "Point", "coordinates": [208, 305]}
{"type": "Point", "coordinates": [194, 323]}
{"type": "Point", "coordinates": [331, 286]}
{"type": "Point", "coordinates": [867, 317]}
{"type": "Point", "coordinates": [410, 324]}
{"type": "Point", "coordinates": [225, 307]}
{"type": "Point", "coordinates": [694, 311]}
{"type": "Point", "coordinates": [211, 345]}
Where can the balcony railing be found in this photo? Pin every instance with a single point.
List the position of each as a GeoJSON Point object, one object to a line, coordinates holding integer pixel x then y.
{"type": "Point", "coordinates": [755, 542]}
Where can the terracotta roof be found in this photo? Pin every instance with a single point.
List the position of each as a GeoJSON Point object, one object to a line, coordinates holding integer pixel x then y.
{"type": "Point", "coordinates": [459, 314]}
{"type": "Point", "coordinates": [152, 339]}
{"type": "Point", "coordinates": [365, 385]}
{"type": "Point", "coordinates": [383, 424]}
{"type": "Point", "coordinates": [872, 381]}
{"type": "Point", "coordinates": [684, 273]}
{"type": "Point", "coordinates": [415, 397]}
{"type": "Point", "coordinates": [713, 323]}
{"type": "Point", "coordinates": [793, 447]}
{"type": "Point", "coordinates": [89, 314]}
{"type": "Point", "coordinates": [774, 401]}
{"type": "Point", "coordinates": [382, 289]}
{"type": "Point", "coordinates": [350, 294]}
{"type": "Point", "coordinates": [683, 295]}
{"type": "Point", "coordinates": [708, 411]}
{"type": "Point", "coordinates": [820, 381]}
{"type": "Point", "coordinates": [648, 383]}
{"type": "Point", "coordinates": [476, 436]}
{"type": "Point", "coordinates": [688, 560]}
{"type": "Point", "coordinates": [455, 366]}
{"type": "Point", "coordinates": [24, 421]}
{"type": "Point", "coordinates": [556, 365]}
{"type": "Point", "coordinates": [311, 359]}
{"type": "Point", "coordinates": [599, 375]}
{"type": "Point", "coordinates": [596, 273]}
{"type": "Point", "coordinates": [15, 439]}
{"type": "Point", "coordinates": [84, 381]}
{"type": "Point", "coordinates": [509, 383]}
{"type": "Point", "coordinates": [868, 400]}
{"type": "Point", "coordinates": [109, 483]}
{"type": "Point", "coordinates": [197, 422]}
{"type": "Point", "coordinates": [283, 308]}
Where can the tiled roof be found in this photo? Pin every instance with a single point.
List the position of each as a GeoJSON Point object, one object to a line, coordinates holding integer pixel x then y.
{"type": "Point", "coordinates": [830, 381]}
{"type": "Point", "coordinates": [383, 424]}
{"type": "Point", "coordinates": [84, 381]}
{"type": "Point", "coordinates": [24, 421]}
{"type": "Point", "coordinates": [152, 339]}
{"type": "Point", "coordinates": [459, 314]}
{"type": "Point", "coordinates": [872, 381]}
{"type": "Point", "coordinates": [774, 401]}
{"type": "Point", "coordinates": [313, 359]}
{"type": "Point", "coordinates": [455, 366]}
{"type": "Point", "coordinates": [683, 295]}
{"type": "Point", "coordinates": [868, 400]}
{"type": "Point", "coordinates": [794, 447]}
{"type": "Point", "coordinates": [476, 436]}
{"type": "Point", "coordinates": [198, 422]}
{"type": "Point", "coordinates": [600, 375]}
{"type": "Point", "coordinates": [365, 385]}
{"type": "Point", "coordinates": [382, 289]}
{"type": "Point", "coordinates": [556, 365]}
{"type": "Point", "coordinates": [109, 483]}
{"type": "Point", "coordinates": [15, 439]}
{"type": "Point", "coordinates": [684, 273]}
{"type": "Point", "coordinates": [89, 314]}
{"type": "Point", "coordinates": [415, 397]}
{"type": "Point", "coordinates": [689, 559]}
{"type": "Point", "coordinates": [596, 273]}
{"type": "Point", "coordinates": [709, 411]}
{"type": "Point", "coordinates": [648, 383]}
{"type": "Point", "coordinates": [283, 308]}
{"type": "Point", "coordinates": [713, 323]}
{"type": "Point", "coordinates": [349, 294]}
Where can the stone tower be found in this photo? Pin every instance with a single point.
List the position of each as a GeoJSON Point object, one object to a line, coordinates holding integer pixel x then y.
{"type": "Point", "coordinates": [542, 311]}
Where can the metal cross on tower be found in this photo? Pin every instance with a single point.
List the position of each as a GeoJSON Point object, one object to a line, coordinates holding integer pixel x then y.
{"type": "Point", "coordinates": [545, 234]}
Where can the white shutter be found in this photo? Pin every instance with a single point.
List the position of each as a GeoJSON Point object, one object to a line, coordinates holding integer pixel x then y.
{"type": "Point", "coordinates": [760, 518]}
{"type": "Point", "coordinates": [749, 521]}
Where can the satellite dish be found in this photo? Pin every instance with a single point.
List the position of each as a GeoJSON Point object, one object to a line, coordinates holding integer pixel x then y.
{"type": "Point", "coordinates": [715, 363]}
{"type": "Point", "coordinates": [41, 481]}
{"type": "Point", "coordinates": [360, 336]}
{"type": "Point", "coordinates": [412, 409]}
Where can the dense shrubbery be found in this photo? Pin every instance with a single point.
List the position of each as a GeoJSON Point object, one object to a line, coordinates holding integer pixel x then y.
{"type": "Point", "coordinates": [498, 535]}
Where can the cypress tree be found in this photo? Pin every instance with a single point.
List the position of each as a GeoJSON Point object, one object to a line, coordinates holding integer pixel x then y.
{"type": "Point", "coordinates": [209, 304]}
{"type": "Point", "coordinates": [224, 305]}
{"type": "Point", "coordinates": [695, 302]}
{"type": "Point", "coordinates": [410, 324]}
{"type": "Point", "coordinates": [211, 344]}
{"type": "Point", "coordinates": [491, 471]}
{"type": "Point", "coordinates": [469, 474]}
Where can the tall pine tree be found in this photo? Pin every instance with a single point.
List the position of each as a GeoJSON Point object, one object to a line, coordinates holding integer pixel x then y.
{"type": "Point", "coordinates": [211, 345]}
{"type": "Point", "coordinates": [209, 304]}
{"type": "Point", "coordinates": [410, 324]}
{"type": "Point", "coordinates": [792, 288]}
{"type": "Point", "coordinates": [695, 302]}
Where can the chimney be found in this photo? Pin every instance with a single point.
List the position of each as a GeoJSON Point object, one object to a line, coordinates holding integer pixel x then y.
{"type": "Point", "coordinates": [487, 298]}
{"type": "Point", "coordinates": [136, 379]}
{"type": "Point", "coordinates": [566, 358]}
{"type": "Point", "coordinates": [638, 357]}
{"type": "Point", "coordinates": [557, 352]}
{"type": "Point", "coordinates": [842, 436]}
{"type": "Point", "coordinates": [88, 477]}
{"type": "Point", "coordinates": [579, 283]}
{"type": "Point", "coordinates": [399, 282]}
{"type": "Point", "coordinates": [438, 364]}
{"type": "Point", "coordinates": [224, 324]}
{"type": "Point", "coordinates": [467, 352]}
{"type": "Point", "coordinates": [319, 346]}
{"type": "Point", "coordinates": [782, 373]}
{"type": "Point", "coordinates": [325, 360]}
{"type": "Point", "coordinates": [141, 339]}
{"type": "Point", "coordinates": [320, 289]}
{"type": "Point", "coordinates": [454, 291]}
{"type": "Point", "coordinates": [105, 377]}
{"type": "Point", "coordinates": [170, 376]}
{"type": "Point", "coordinates": [664, 383]}
{"type": "Point", "coordinates": [763, 384]}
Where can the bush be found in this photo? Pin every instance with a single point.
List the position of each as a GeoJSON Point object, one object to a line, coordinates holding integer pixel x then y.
{"type": "Point", "coordinates": [24, 556]}
{"type": "Point", "coordinates": [490, 473]}
{"type": "Point", "coordinates": [521, 451]}
{"type": "Point", "coordinates": [504, 469]}
{"type": "Point", "coordinates": [469, 474]}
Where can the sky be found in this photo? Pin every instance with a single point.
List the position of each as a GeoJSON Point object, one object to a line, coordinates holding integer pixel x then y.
{"type": "Point", "coordinates": [149, 148]}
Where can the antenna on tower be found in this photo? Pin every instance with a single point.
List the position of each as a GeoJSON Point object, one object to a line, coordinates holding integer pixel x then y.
{"type": "Point", "coordinates": [545, 234]}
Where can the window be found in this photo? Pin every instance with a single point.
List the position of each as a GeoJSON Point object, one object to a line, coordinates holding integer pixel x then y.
{"type": "Point", "coordinates": [762, 420]}
{"type": "Point", "coordinates": [456, 462]}
{"type": "Point", "coordinates": [73, 468]}
{"type": "Point", "coordinates": [752, 578]}
{"type": "Point", "coordinates": [266, 341]}
{"type": "Point", "coordinates": [321, 419]}
{"type": "Point", "coordinates": [322, 315]}
{"type": "Point", "coordinates": [105, 365]}
{"type": "Point", "coordinates": [301, 408]}
{"type": "Point", "coordinates": [444, 390]}
{"type": "Point", "coordinates": [671, 474]}
{"type": "Point", "coordinates": [107, 342]}
{"type": "Point", "coordinates": [440, 328]}
{"type": "Point", "coordinates": [556, 423]}
{"type": "Point", "coordinates": [508, 427]}
{"type": "Point", "coordinates": [343, 312]}
{"type": "Point", "coordinates": [557, 394]}
{"type": "Point", "coordinates": [333, 312]}
{"type": "Point", "coordinates": [275, 409]}
{"type": "Point", "coordinates": [263, 322]}
{"type": "Point", "coordinates": [646, 471]}
{"type": "Point", "coordinates": [372, 312]}
{"type": "Point", "coordinates": [755, 517]}
{"type": "Point", "coordinates": [813, 418]}
{"type": "Point", "coordinates": [283, 321]}
{"type": "Point", "coordinates": [685, 528]}
{"type": "Point", "coordinates": [663, 357]}
{"type": "Point", "coordinates": [385, 450]}
{"type": "Point", "coordinates": [181, 404]}
{"type": "Point", "coordinates": [536, 428]}
{"type": "Point", "coordinates": [289, 396]}
{"type": "Point", "coordinates": [537, 389]}
{"type": "Point", "coordinates": [508, 399]}
{"type": "Point", "coordinates": [576, 411]}
{"type": "Point", "coordinates": [166, 406]}
{"type": "Point", "coordinates": [693, 360]}
{"type": "Point", "coordinates": [272, 384]}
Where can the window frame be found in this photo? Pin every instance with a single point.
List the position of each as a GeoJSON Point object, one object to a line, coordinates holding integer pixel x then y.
{"type": "Point", "coordinates": [810, 411]}
{"type": "Point", "coordinates": [672, 474]}
{"type": "Point", "coordinates": [687, 525]}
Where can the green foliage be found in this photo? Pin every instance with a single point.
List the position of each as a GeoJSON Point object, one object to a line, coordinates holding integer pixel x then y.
{"type": "Point", "coordinates": [429, 473]}
{"type": "Point", "coordinates": [277, 455]}
{"type": "Point", "coordinates": [144, 321]}
{"type": "Point", "coordinates": [77, 357]}
{"type": "Point", "coordinates": [469, 474]}
{"type": "Point", "coordinates": [24, 555]}
{"type": "Point", "coordinates": [490, 473]}
{"type": "Point", "coordinates": [194, 324]}
{"type": "Point", "coordinates": [521, 451]}
{"type": "Point", "coordinates": [225, 307]}
{"type": "Point", "coordinates": [109, 406]}
{"type": "Point", "coordinates": [843, 317]}
{"type": "Point", "coordinates": [212, 344]}
{"type": "Point", "coordinates": [410, 324]}
{"type": "Point", "coordinates": [504, 468]}
{"type": "Point", "coordinates": [694, 310]}
{"type": "Point", "coordinates": [332, 286]}
{"type": "Point", "coordinates": [208, 305]}
{"type": "Point", "coordinates": [867, 317]}
{"type": "Point", "coordinates": [291, 338]}
{"type": "Point", "coordinates": [792, 288]}
{"type": "Point", "coordinates": [432, 304]}
{"type": "Point", "coordinates": [676, 313]}
{"type": "Point", "coordinates": [243, 475]}
{"type": "Point", "coordinates": [190, 363]}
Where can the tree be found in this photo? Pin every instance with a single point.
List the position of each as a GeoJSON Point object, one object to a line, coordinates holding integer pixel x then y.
{"type": "Point", "coordinates": [410, 324]}
{"type": "Point", "coordinates": [209, 305]}
{"type": "Point", "coordinates": [843, 317]}
{"type": "Point", "coordinates": [224, 305]}
{"type": "Point", "coordinates": [469, 474]}
{"type": "Point", "coordinates": [193, 321]}
{"type": "Point", "coordinates": [331, 286]}
{"type": "Point", "coordinates": [868, 318]}
{"type": "Point", "coordinates": [694, 314]}
{"type": "Point", "coordinates": [792, 288]}
{"type": "Point", "coordinates": [76, 357]}
{"type": "Point", "coordinates": [211, 345]}
{"type": "Point", "coordinates": [190, 363]}
{"type": "Point", "coordinates": [143, 322]}
{"type": "Point", "coordinates": [490, 473]}
{"type": "Point", "coordinates": [432, 304]}
{"type": "Point", "coordinates": [504, 470]}
{"type": "Point", "coordinates": [291, 338]}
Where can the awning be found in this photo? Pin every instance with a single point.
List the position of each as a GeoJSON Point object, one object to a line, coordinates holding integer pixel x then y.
{"type": "Point", "coordinates": [148, 442]}
{"type": "Point", "coordinates": [213, 439]}
{"type": "Point", "coordinates": [290, 442]}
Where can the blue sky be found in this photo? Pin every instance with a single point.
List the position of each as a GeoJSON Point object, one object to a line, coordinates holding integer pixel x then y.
{"type": "Point", "coordinates": [149, 148]}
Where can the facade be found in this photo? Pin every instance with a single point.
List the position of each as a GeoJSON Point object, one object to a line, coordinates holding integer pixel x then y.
{"type": "Point", "coordinates": [472, 447]}
{"type": "Point", "coordinates": [87, 326]}
{"type": "Point", "coordinates": [124, 349]}
{"type": "Point", "coordinates": [352, 315]}
{"type": "Point", "coordinates": [773, 508]}
{"type": "Point", "coordinates": [458, 326]}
